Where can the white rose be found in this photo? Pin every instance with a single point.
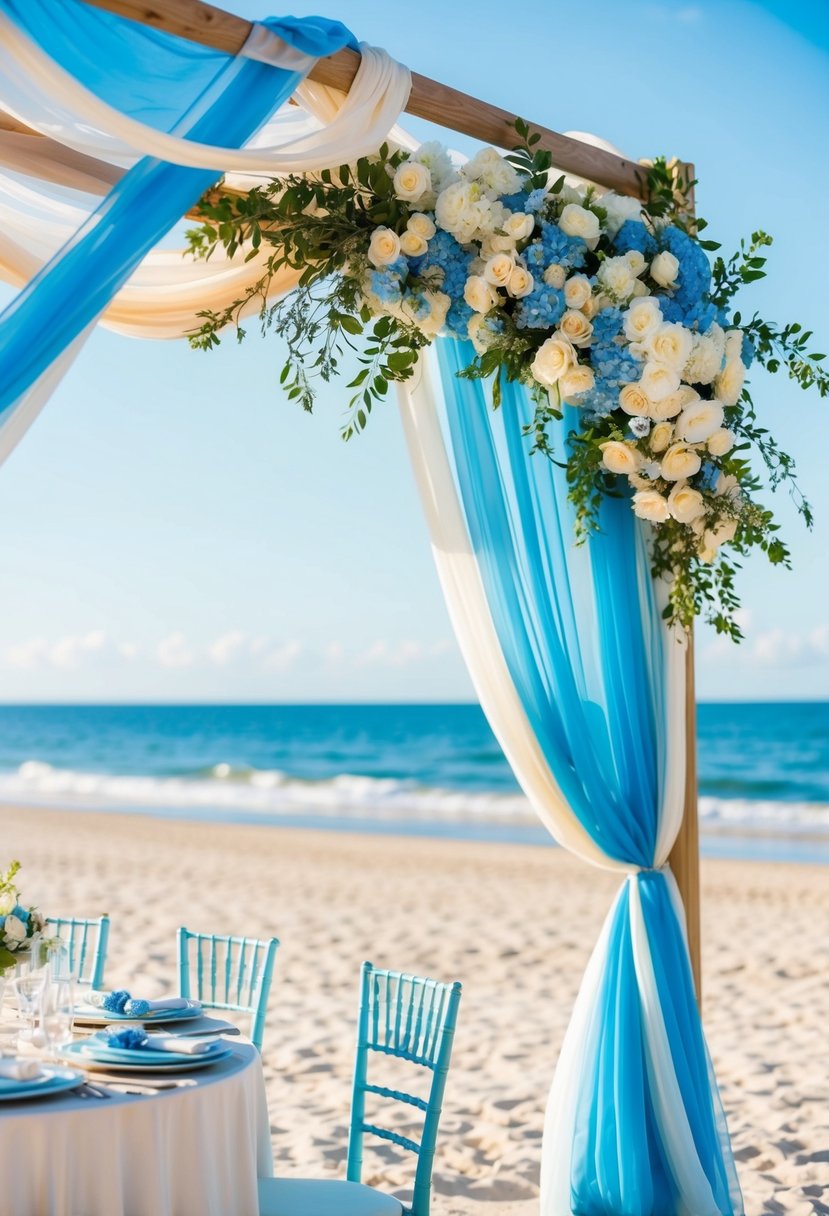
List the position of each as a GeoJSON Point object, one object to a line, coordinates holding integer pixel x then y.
{"type": "Point", "coordinates": [619, 207]}
{"type": "Point", "coordinates": [728, 487]}
{"type": "Point", "coordinates": [661, 435]}
{"type": "Point", "coordinates": [685, 504]}
{"type": "Point", "coordinates": [664, 269]}
{"type": "Point", "coordinates": [498, 269]}
{"type": "Point", "coordinates": [479, 294]}
{"type": "Point", "coordinates": [728, 385]}
{"type": "Point", "coordinates": [670, 343]}
{"type": "Point", "coordinates": [650, 505]}
{"type": "Point", "coordinates": [712, 538]}
{"type": "Point", "coordinates": [720, 442]}
{"type": "Point", "coordinates": [384, 247]}
{"type": "Point", "coordinates": [412, 244]}
{"type": "Point", "coordinates": [733, 344]}
{"type": "Point", "coordinates": [578, 221]}
{"type": "Point", "coordinates": [616, 278]}
{"type": "Point", "coordinates": [520, 282]}
{"type": "Point", "coordinates": [636, 262]}
{"type": "Point", "coordinates": [575, 326]}
{"type": "Point", "coordinates": [14, 929]}
{"type": "Point", "coordinates": [575, 381]}
{"type": "Point", "coordinates": [679, 462]}
{"type": "Point", "coordinates": [642, 318]}
{"type": "Point", "coordinates": [439, 304]}
{"type": "Point", "coordinates": [669, 407]}
{"type": "Point", "coordinates": [8, 902]}
{"type": "Point", "coordinates": [619, 457]}
{"type": "Point", "coordinates": [519, 226]}
{"type": "Point", "coordinates": [706, 357]}
{"type": "Point", "coordinates": [554, 276]}
{"type": "Point", "coordinates": [633, 401]}
{"type": "Point", "coordinates": [699, 421]}
{"type": "Point", "coordinates": [492, 244]}
{"type": "Point", "coordinates": [553, 358]}
{"type": "Point", "coordinates": [493, 170]}
{"type": "Point", "coordinates": [658, 381]}
{"type": "Point", "coordinates": [411, 181]}
{"type": "Point", "coordinates": [461, 209]}
{"type": "Point", "coordinates": [422, 224]}
{"type": "Point", "coordinates": [437, 160]}
{"type": "Point", "coordinates": [577, 291]}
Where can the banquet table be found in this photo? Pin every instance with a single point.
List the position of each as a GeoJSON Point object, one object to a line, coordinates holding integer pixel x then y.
{"type": "Point", "coordinates": [195, 1150]}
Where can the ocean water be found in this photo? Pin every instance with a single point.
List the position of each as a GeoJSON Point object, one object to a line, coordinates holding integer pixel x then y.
{"type": "Point", "coordinates": [764, 768]}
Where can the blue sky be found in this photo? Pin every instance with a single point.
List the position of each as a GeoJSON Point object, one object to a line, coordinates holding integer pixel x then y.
{"type": "Point", "coordinates": [173, 529]}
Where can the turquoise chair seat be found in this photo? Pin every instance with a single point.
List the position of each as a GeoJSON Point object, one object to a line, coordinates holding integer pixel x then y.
{"type": "Point", "coordinates": [308, 1197]}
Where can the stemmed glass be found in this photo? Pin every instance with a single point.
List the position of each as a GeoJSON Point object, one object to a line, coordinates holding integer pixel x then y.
{"type": "Point", "coordinates": [29, 992]}
{"type": "Point", "coordinates": [58, 1014]}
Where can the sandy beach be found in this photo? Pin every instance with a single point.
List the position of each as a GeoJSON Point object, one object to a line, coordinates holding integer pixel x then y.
{"type": "Point", "coordinates": [515, 924]}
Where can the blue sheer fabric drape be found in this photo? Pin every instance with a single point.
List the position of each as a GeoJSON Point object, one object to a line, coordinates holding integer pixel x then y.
{"type": "Point", "coordinates": [172, 85]}
{"type": "Point", "coordinates": [580, 632]}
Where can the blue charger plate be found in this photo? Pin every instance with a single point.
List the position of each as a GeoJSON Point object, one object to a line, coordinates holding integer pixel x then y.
{"type": "Point", "coordinates": [93, 1053]}
{"type": "Point", "coordinates": [51, 1081]}
{"type": "Point", "coordinates": [89, 1015]}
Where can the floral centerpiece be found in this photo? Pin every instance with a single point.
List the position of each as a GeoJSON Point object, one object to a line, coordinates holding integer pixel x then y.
{"type": "Point", "coordinates": [20, 927]}
{"type": "Point", "coordinates": [587, 298]}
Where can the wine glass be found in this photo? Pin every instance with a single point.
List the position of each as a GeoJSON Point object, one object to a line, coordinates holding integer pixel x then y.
{"type": "Point", "coordinates": [29, 992]}
{"type": "Point", "coordinates": [58, 1014]}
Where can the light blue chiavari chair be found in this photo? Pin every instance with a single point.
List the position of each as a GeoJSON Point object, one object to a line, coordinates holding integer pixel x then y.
{"type": "Point", "coordinates": [231, 973]}
{"type": "Point", "coordinates": [86, 940]}
{"type": "Point", "coordinates": [412, 1019]}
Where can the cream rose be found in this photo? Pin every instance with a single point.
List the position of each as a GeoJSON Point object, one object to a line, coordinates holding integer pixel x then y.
{"type": "Point", "coordinates": [664, 269]}
{"type": "Point", "coordinates": [412, 244]}
{"type": "Point", "coordinates": [636, 261]}
{"type": "Point", "coordinates": [685, 504]}
{"type": "Point", "coordinates": [520, 282]}
{"type": "Point", "coordinates": [679, 462]}
{"type": "Point", "coordinates": [519, 226]}
{"type": "Point", "coordinates": [577, 380]}
{"type": "Point", "coordinates": [706, 356]}
{"type": "Point", "coordinates": [720, 442]}
{"type": "Point", "coordinates": [616, 278]}
{"type": "Point", "coordinates": [658, 381]}
{"type": "Point", "coordinates": [384, 247]}
{"type": "Point", "coordinates": [411, 181]}
{"type": "Point", "coordinates": [618, 457]}
{"type": "Point", "coordinates": [661, 436]}
{"type": "Point", "coordinates": [642, 318]}
{"type": "Point", "coordinates": [498, 269]}
{"type": "Point", "coordinates": [670, 343]}
{"type": "Point", "coordinates": [728, 487]}
{"type": "Point", "coordinates": [728, 385]}
{"type": "Point", "coordinates": [575, 326]}
{"type": "Point", "coordinates": [650, 505]}
{"type": "Point", "coordinates": [554, 276]}
{"type": "Point", "coordinates": [699, 421]}
{"type": "Point", "coordinates": [553, 358]}
{"type": "Point", "coordinates": [461, 209]}
{"type": "Point", "coordinates": [479, 294]}
{"type": "Point", "coordinates": [577, 291]}
{"type": "Point", "coordinates": [8, 902]}
{"type": "Point", "coordinates": [14, 928]}
{"type": "Point", "coordinates": [422, 224]}
{"type": "Point", "coordinates": [733, 344]}
{"type": "Point", "coordinates": [633, 401]}
{"type": "Point", "coordinates": [720, 534]}
{"type": "Point", "coordinates": [578, 221]}
{"type": "Point", "coordinates": [669, 407]}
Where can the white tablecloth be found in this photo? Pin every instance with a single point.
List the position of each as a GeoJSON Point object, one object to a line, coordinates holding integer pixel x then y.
{"type": "Point", "coordinates": [192, 1151]}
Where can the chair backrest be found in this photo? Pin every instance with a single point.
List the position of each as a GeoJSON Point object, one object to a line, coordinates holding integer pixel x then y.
{"type": "Point", "coordinates": [412, 1019]}
{"type": "Point", "coordinates": [231, 973]}
{"type": "Point", "coordinates": [86, 940]}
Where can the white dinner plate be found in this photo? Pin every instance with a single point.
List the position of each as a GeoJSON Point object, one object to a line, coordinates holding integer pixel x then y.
{"type": "Point", "coordinates": [89, 1015]}
{"type": "Point", "coordinates": [51, 1081]}
{"type": "Point", "coordinates": [153, 1062]}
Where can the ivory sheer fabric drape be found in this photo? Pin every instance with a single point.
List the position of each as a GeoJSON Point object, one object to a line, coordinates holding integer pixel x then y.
{"type": "Point", "coordinates": [583, 685]}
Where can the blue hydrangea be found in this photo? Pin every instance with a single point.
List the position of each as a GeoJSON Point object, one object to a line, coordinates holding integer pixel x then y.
{"type": "Point", "coordinates": [614, 365]}
{"type": "Point", "coordinates": [634, 235]}
{"type": "Point", "coordinates": [558, 247]}
{"type": "Point", "coordinates": [416, 305]}
{"type": "Point", "coordinates": [541, 309]}
{"type": "Point", "coordinates": [694, 277]}
{"type": "Point", "coordinates": [708, 476]}
{"type": "Point", "coordinates": [748, 352]}
{"type": "Point", "coordinates": [671, 310]}
{"type": "Point", "coordinates": [446, 254]}
{"type": "Point", "coordinates": [458, 318]}
{"type": "Point", "coordinates": [387, 285]}
{"type": "Point", "coordinates": [607, 326]}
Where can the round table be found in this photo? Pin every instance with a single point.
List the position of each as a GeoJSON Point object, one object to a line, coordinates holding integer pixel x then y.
{"type": "Point", "coordinates": [195, 1150]}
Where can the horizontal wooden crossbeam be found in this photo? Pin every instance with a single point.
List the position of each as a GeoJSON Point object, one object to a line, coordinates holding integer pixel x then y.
{"type": "Point", "coordinates": [429, 99]}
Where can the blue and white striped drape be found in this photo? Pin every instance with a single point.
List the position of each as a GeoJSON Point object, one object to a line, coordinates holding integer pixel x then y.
{"type": "Point", "coordinates": [583, 685]}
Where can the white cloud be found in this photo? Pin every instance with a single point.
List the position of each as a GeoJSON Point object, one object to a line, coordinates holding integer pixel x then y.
{"type": "Point", "coordinates": [173, 651]}
{"type": "Point", "coordinates": [776, 647]}
{"type": "Point", "coordinates": [26, 654]}
{"type": "Point", "coordinates": [283, 657]}
{"type": "Point", "coordinates": [226, 647]}
{"type": "Point", "coordinates": [401, 654]}
{"type": "Point", "coordinates": [68, 651]}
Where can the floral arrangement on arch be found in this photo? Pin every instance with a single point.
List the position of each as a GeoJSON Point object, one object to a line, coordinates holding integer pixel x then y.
{"type": "Point", "coordinates": [587, 298]}
{"type": "Point", "coordinates": [20, 926]}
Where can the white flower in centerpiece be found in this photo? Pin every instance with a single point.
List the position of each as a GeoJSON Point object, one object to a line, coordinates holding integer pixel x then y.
{"type": "Point", "coordinates": [422, 224]}
{"type": "Point", "coordinates": [576, 381]}
{"type": "Point", "coordinates": [664, 269]}
{"type": "Point", "coordinates": [619, 207]}
{"type": "Point", "coordinates": [680, 462]}
{"type": "Point", "coordinates": [439, 304]}
{"type": "Point", "coordinates": [733, 344]}
{"type": "Point", "coordinates": [479, 333]}
{"type": "Point", "coordinates": [479, 294]}
{"type": "Point", "coordinates": [617, 278]}
{"type": "Point", "coordinates": [650, 505]}
{"type": "Point", "coordinates": [712, 538]}
{"type": "Point", "coordinates": [576, 327]}
{"type": "Point", "coordinates": [437, 160]}
{"type": "Point", "coordinates": [553, 358]}
{"type": "Point", "coordinates": [721, 442]}
{"type": "Point", "coordinates": [620, 457]}
{"type": "Point", "coordinates": [685, 503]}
{"type": "Point", "coordinates": [384, 247]}
{"type": "Point", "coordinates": [661, 436]}
{"type": "Point", "coordinates": [577, 291]}
{"type": "Point", "coordinates": [498, 269]}
{"type": "Point", "coordinates": [555, 276]}
{"type": "Point", "coordinates": [728, 487]}
{"type": "Point", "coordinates": [462, 209]}
{"type": "Point", "coordinates": [579, 221]}
{"type": "Point", "coordinates": [520, 282]}
{"type": "Point", "coordinates": [658, 381]}
{"type": "Point", "coordinates": [670, 343]}
{"type": "Point", "coordinates": [642, 318]}
{"type": "Point", "coordinates": [636, 262]}
{"type": "Point", "coordinates": [411, 181]}
{"type": "Point", "coordinates": [728, 385]}
{"type": "Point", "coordinates": [706, 356]}
{"type": "Point", "coordinates": [496, 173]}
{"type": "Point", "coordinates": [8, 902]}
{"type": "Point", "coordinates": [699, 421]}
{"type": "Point", "coordinates": [412, 244]}
{"type": "Point", "coordinates": [519, 226]}
{"type": "Point", "coordinates": [633, 401]}
{"type": "Point", "coordinates": [14, 929]}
